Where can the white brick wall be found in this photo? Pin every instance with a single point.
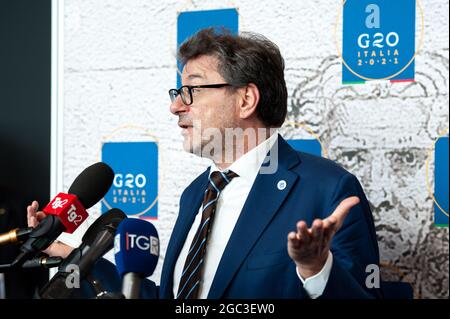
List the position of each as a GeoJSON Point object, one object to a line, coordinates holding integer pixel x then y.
{"type": "Point", "coordinates": [120, 62]}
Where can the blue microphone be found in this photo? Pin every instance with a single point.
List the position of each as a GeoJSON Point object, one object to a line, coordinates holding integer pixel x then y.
{"type": "Point", "coordinates": [136, 250]}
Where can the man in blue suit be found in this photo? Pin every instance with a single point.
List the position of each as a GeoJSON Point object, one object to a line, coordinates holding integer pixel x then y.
{"type": "Point", "coordinates": [264, 221]}
{"type": "Point", "coordinates": [257, 243]}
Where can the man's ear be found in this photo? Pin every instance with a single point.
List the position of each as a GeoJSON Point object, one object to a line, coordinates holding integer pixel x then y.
{"type": "Point", "coordinates": [249, 101]}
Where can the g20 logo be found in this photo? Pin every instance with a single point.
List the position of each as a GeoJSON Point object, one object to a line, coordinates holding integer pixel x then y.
{"type": "Point", "coordinates": [135, 184]}
{"type": "Point", "coordinates": [378, 40]}
{"type": "Point", "coordinates": [130, 181]}
{"type": "Point", "coordinates": [373, 22]}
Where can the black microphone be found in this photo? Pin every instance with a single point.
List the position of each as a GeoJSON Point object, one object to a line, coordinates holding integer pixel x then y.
{"type": "Point", "coordinates": [67, 211]}
{"type": "Point", "coordinates": [110, 295]}
{"type": "Point", "coordinates": [100, 292]}
{"type": "Point", "coordinates": [96, 242]}
{"type": "Point", "coordinates": [17, 235]}
{"type": "Point", "coordinates": [43, 262]}
{"type": "Point", "coordinates": [37, 262]}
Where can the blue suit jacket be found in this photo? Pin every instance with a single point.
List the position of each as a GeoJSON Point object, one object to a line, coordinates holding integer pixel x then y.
{"type": "Point", "coordinates": [255, 263]}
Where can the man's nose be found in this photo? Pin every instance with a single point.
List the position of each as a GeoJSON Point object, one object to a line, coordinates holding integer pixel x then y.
{"type": "Point", "coordinates": [178, 106]}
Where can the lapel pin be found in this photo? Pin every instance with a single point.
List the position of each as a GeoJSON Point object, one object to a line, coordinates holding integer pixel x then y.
{"type": "Point", "coordinates": [281, 184]}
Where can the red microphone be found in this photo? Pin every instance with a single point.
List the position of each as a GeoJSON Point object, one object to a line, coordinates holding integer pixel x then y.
{"type": "Point", "coordinates": [68, 209]}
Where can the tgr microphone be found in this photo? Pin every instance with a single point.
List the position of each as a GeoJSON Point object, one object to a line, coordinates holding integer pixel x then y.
{"type": "Point", "coordinates": [96, 242]}
{"type": "Point", "coordinates": [136, 249]}
{"type": "Point", "coordinates": [67, 211]}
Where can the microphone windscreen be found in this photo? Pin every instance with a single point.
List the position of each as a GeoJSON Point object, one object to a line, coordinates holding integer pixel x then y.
{"type": "Point", "coordinates": [111, 218]}
{"type": "Point", "coordinates": [136, 247]}
{"type": "Point", "coordinates": [92, 184]}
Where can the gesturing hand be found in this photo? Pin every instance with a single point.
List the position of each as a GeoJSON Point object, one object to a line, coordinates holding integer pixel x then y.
{"type": "Point", "coordinates": [56, 248]}
{"type": "Point", "coordinates": [309, 248]}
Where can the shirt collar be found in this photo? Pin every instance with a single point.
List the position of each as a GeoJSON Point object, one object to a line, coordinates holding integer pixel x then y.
{"type": "Point", "coordinates": [248, 165]}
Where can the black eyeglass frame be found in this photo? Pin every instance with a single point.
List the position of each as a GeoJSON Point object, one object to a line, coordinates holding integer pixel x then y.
{"type": "Point", "coordinates": [190, 87]}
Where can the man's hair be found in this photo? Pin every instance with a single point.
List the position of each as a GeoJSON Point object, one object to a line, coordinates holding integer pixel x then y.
{"type": "Point", "coordinates": [243, 59]}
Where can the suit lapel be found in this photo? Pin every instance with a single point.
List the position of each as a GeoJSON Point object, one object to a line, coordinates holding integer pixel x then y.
{"type": "Point", "coordinates": [263, 202]}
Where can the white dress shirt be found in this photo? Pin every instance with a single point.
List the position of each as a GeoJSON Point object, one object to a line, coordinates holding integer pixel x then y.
{"type": "Point", "coordinates": [229, 206]}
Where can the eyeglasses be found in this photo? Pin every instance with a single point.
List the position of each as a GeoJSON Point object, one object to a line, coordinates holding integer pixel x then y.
{"type": "Point", "coordinates": [186, 91]}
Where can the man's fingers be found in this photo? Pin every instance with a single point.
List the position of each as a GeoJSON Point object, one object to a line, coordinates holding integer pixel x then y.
{"type": "Point", "coordinates": [31, 212]}
{"type": "Point", "coordinates": [33, 216]}
{"type": "Point", "coordinates": [317, 234]}
{"type": "Point", "coordinates": [343, 208]}
{"type": "Point", "coordinates": [294, 240]}
{"type": "Point", "coordinates": [292, 236]}
{"type": "Point", "coordinates": [317, 229]}
{"type": "Point", "coordinates": [316, 240]}
{"type": "Point", "coordinates": [302, 231]}
{"type": "Point", "coordinates": [40, 216]}
{"type": "Point", "coordinates": [329, 228]}
{"type": "Point", "coordinates": [35, 205]}
{"type": "Point", "coordinates": [32, 222]}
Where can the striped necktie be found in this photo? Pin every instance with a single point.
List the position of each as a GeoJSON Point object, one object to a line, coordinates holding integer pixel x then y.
{"type": "Point", "coordinates": [192, 270]}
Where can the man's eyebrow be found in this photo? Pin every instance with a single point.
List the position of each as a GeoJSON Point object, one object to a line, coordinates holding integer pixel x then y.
{"type": "Point", "coordinates": [195, 76]}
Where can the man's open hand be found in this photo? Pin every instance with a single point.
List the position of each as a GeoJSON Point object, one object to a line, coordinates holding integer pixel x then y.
{"type": "Point", "coordinates": [309, 248]}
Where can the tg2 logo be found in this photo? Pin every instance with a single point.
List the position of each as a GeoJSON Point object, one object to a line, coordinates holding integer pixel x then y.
{"type": "Point", "coordinates": [72, 215]}
{"type": "Point", "coordinates": [58, 203]}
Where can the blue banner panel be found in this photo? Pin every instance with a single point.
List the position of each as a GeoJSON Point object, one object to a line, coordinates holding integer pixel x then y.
{"type": "Point", "coordinates": [135, 186]}
{"type": "Point", "coordinates": [378, 40]}
{"type": "Point", "coordinates": [308, 146]}
{"type": "Point", "coordinates": [191, 22]}
{"type": "Point", "coordinates": [441, 182]}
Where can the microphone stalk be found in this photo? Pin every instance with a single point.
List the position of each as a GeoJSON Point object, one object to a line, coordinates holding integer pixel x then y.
{"type": "Point", "coordinates": [131, 285]}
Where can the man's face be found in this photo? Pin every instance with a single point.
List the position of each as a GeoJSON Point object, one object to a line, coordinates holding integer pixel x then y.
{"type": "Point", "coordinates": [212, 108]}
